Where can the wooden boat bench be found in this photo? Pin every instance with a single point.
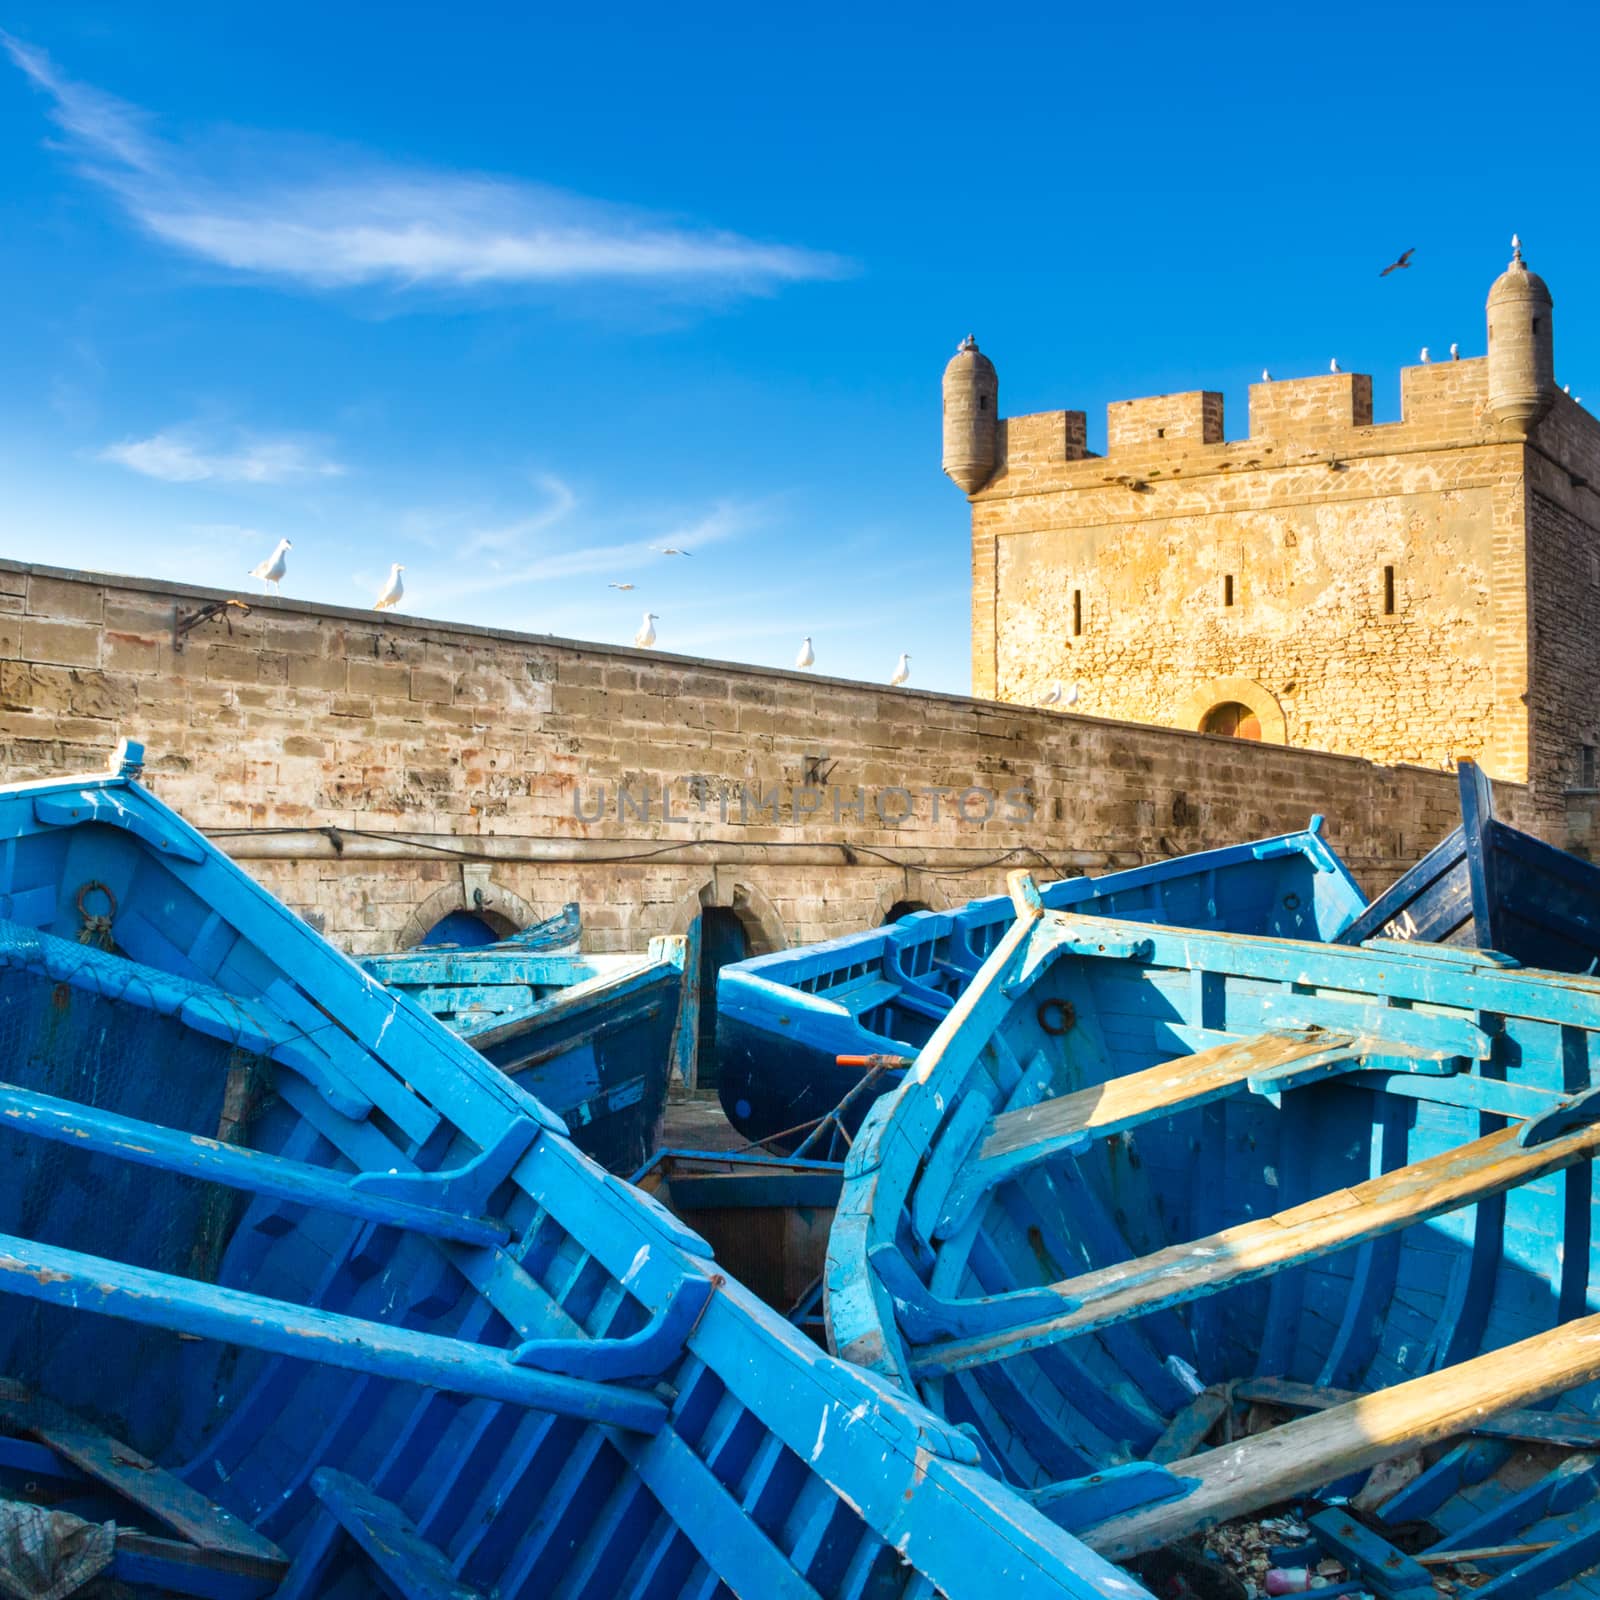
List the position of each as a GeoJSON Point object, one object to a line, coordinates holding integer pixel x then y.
{"type": "Point", "coordinates": [1182, 1272]}
{"type": "Point", "coordinates": [1237, 1479]}
{"type": "Point", "coordinates": [199, 1548]}
{"type": "Point", "coordinates": [355, 1519]}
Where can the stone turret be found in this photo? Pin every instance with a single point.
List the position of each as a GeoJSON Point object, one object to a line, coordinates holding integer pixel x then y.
{"type": "Point", "coordinates": [1521, 348]}
{"type": "Point", "coordinates": [971, 395]}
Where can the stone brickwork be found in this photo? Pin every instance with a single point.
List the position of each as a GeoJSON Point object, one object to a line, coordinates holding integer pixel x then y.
{"type": "Point", "coordinates": [380, 771]}
{"type": "Point", "coordinates": [1359, 587]}
{"type": "Point", "coordinates": [1411, 592]}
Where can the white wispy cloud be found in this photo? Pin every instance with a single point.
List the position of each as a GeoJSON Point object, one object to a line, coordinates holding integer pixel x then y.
{"type": "Point", "coordinates": [507, 563]}
{"type": "Point", "coordinates": [183, 456]}
{"type": "Point", "coordinates": [348, 225]}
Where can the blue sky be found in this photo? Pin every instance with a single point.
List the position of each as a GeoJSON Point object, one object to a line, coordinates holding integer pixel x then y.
{"type": "Point", "coordinates": [513, 297]}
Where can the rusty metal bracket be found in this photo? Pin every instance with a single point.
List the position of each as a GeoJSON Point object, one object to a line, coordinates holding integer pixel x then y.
{"type": "Point", "coordinates": [184, 624]}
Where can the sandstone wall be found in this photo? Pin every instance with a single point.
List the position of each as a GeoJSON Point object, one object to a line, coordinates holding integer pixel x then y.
{"type": "Point", "coordinates": [1362, 588]}
{"type": "Point", "coordinates": [378, 772]}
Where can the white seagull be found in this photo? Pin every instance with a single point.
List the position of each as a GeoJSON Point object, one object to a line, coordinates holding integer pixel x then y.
{"type": "Point", "coordinates": [1266, 377]}
{"type": "Point", "coordinates": [273, 568]}
{"type": "Point", "coordinates": [1426, 358]}
{"type": "Point", "coordinates": [1333, 366]}
{"type": "Point", "coordinates": [623, 586]}
{"type": "Point", "coordinates": [646, 636]}
{"type": "Point", "coordinates": [902, 671]}
{"type": "Point", "coordinates": [1072, 695]}
{"type": "Point", "coordinates": [807, 656]}
{"type": "Point", "coordinates": [1455, 352]}
{"type": "Point", "coordinates": [1054, 697]}
{"type": "Point", "coordinates": [670, 550]}
{"type": "Point", "coordinates": [393, 590]}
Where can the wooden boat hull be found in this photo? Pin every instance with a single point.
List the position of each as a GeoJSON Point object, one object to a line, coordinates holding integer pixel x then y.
{"type": "Point", "coordinates": [1354, 1184]}
{"type": "Point", "coordinates": [784, 1019]}
{"type": "Point", "coordinates": [591, 1037]}
{"type": "Point", "coordinates": [309, 1300]}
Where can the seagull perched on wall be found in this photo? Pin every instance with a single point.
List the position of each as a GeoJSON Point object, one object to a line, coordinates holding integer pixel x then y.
{"type": "Point", "coordinates": [1266, 377]}
{"type": "Point", "coordinates": [807, 656]}
{"type": "Point", "coordinates": [646, 636]}
{"type": "Point", "coordinates": [1054, 697]}
{"type": "Point", "coordinates": [1333, 366]}
{"type": "Point", "coordinates": [1426, 358]}
{"type": "Point", "coordinates": [1404, 260]}
{"type": "Point", "coordinates": [902, 671]}
{"type": "Point", "coordinates": [393, 590]}
{"type": "Point", "coordinates": [1072, 695]}
{"type": "Point", "coordinates": [1455, 352]}
{"type": "Point", "coordinates": [623, 586]}
{"type": "Point", "coordinates": [273, 568]}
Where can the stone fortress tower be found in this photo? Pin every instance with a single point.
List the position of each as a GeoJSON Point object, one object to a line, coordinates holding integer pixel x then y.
{"type": "Point", "coordinates": [1411, 592]}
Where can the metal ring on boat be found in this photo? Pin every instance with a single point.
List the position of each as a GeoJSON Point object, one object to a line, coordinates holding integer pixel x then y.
{"type": "Point", "coordinates": [1055, 1016]}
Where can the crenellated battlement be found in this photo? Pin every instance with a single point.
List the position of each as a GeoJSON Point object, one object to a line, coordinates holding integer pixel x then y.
{"type": "Point", "coordinates": [1441, 402]}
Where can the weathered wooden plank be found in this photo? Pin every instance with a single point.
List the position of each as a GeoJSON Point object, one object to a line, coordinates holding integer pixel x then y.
{"type": "Point", "coordinates": [1239, 1478]}
{"type": "Point", "coordinates": [1182, 1272]}
{"type": "Point", "coordinates": [167, 1499]}
{"type": "Point", "coordinates": [412, 1567]}
{"type": "Point", "coordinates": [1533, 1427]}
{"type": "Point", "coordinates": [1125, 1102]}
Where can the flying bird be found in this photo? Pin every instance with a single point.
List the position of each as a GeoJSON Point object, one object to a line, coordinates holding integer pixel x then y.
{"type": "Point", "coordinates": [1333, 366]}
{"type": "Point", "coordinates": [671, 550]}
{"type": "Point", "coordinates": [273, 568]}
{"type": "Point", "coordinates": [1403, 261]}
{"type": "Point", "coordinates": [393, 590]}
{"type": "Point", "coordinates": [902, 671]}
{"type": "Point", "coordinates": [623, 586]}
{"type": "Point", "coordinates": [807, 656]}
{"type": "Point", "coordinates": [1426, 358]}
{"type": "Point", "coordinates": [1455, 352]}
{"type": "Point", "coordinates": [1054, 697]}
{"type": "Point", "coordinates": [646, 636]}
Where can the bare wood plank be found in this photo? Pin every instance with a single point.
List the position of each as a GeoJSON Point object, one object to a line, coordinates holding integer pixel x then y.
{"type": "Point", "coordinates": [1529, 1427]}
{"type": "Point", "coordinates": [1124, 1102]}
{"type": "Point", "coordinates": [1187, 1271]}
{"type": "Point", "coordinates": [1240, 1478]}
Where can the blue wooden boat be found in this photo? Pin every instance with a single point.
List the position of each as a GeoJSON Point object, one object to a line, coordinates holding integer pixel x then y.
{"type": "Point", "coordinates": [1148, 1188]}
{"type": "Point", "coordinates": [305, 1298]}
{"type": "Point", "coordinates": [876, 997]}
{"type": "Point", "coordinates": [1491, 885]}
{"type": "Point", "coordinates": [592, 1037]}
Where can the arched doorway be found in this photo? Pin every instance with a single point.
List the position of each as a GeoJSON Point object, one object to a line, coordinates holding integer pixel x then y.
{"type": "Point", "coordinates": [1233, 719]}
{"type": "Point", "coordinates": [722, 940]}
{"type": "Point", "coordinates": [464, 928]}
{"type": "Point", "coordinates": [904, 908]}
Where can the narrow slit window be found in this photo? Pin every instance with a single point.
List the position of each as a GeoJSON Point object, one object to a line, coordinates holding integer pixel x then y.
{"type": "Point", "coordinates": [1388, 591]}
{"type": "Point", "coordinates": [1227, 589]}
{"type": "Point", "coordinates": [1077, 611]}
{"type": "Point", "coordinates": [1586, 767]}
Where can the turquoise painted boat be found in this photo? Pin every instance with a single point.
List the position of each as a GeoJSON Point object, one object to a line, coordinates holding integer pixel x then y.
{"type": "Point", "coordinates": [300, 1296]}
{"type": "Point", "coordinates": [1180, 1225]}
{"type": "Point", "coordinates": [592, 1037]}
